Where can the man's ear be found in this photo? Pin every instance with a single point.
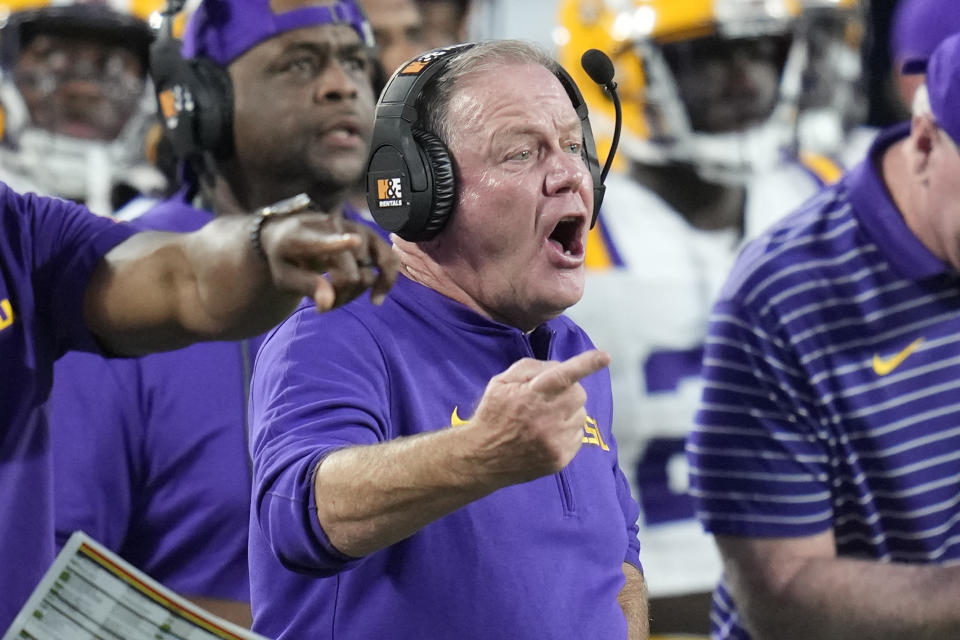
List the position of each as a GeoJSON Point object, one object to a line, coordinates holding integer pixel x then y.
{"type": "Point", "coordinates": [924, 136]}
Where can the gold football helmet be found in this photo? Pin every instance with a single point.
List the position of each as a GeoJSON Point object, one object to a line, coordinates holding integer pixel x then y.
{"type": "Point", "coordinates": [710, 83]}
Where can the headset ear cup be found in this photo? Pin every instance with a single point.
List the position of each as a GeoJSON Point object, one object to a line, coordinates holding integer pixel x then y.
{"type": "Point", "coordinates": [194, 100]}
{"type": "Point", "coordinates": [213, 92]}
{"type": "Point", "coordinates": [444, 181]}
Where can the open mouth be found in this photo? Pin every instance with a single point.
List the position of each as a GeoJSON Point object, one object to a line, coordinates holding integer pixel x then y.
{"type": "Point", "coordinates": [82, 130]}
{"type": "Point", "coordinates": [567, 236]}
{"type": "Point", "coordinates": [345, 129]}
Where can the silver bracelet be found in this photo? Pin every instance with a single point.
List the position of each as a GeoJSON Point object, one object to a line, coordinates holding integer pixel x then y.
{"type": "Point", "coordinates": [295, 204]}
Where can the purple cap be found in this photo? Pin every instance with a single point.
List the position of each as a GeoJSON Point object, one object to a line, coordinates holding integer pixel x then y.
{"type": "Point", "coordinates": [222, 30]}
{"type": "Point", "coordinates": [943, 83]}
{"type": "Point", "coordinates": [918, 26]}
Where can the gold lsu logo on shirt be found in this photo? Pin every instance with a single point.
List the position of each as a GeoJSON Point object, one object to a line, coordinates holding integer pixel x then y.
{"type": "Point", "coordinates": [6, 314]}
{"type": "Point", "coordinates": [591, 430]}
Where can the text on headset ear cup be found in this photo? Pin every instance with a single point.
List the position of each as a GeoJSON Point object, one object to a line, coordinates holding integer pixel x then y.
{"type": "Point", "coordinates": [444, 183]}
{"type": "Point", "coordinates": [411, 185]}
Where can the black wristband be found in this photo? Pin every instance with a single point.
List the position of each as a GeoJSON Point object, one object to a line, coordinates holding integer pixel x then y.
{"type": "Point", "coordinates": [295, 204]}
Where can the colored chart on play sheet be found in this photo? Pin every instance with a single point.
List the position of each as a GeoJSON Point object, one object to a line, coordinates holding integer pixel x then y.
{"type": "Point", "coordinates": [90, 592]}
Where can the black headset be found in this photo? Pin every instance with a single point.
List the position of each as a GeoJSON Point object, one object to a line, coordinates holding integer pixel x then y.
{"type": "Point", "coordinates": [411, 187]}
{"type": "Point", "coordinates": [194, 96]}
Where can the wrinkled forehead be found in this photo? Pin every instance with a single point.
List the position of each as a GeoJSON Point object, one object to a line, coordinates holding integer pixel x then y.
{"type": "Point", "coordinates": [514, 84]}
{"type": "Point", "coordinates": [510, 96]}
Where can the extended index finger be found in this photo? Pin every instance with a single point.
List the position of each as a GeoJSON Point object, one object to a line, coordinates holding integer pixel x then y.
{"type": "Point", "coordinates": [569, 372]}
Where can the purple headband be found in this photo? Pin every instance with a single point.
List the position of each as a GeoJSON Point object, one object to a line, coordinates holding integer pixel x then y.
{"type": "Point", "coordinates": [222, 30]}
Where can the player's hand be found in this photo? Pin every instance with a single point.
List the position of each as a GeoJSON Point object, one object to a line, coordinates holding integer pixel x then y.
{"type": "Point", "coordinates": [328, 259]}
{"type": "Point", "coordinates": [529, 422]}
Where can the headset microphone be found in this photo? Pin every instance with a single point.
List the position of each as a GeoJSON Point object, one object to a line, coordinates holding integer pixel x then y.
{"type": "Point", "coordinates": [600, 69]}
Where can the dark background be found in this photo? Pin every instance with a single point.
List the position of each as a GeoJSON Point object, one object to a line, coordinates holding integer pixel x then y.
{"type": "Point", "coordinates": [883, 109]}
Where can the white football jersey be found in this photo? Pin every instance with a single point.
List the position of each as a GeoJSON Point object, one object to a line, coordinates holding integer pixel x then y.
{"type": "Point", "coordinates": [649, 309]}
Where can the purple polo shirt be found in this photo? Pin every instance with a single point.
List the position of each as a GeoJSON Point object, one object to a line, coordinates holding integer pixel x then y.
{"type": "Point", "coordinates": [830, 393]}
{"type": "Point", "coordinates": [539, 559]}
{"type": "Point", "coordinates": [48, 250]}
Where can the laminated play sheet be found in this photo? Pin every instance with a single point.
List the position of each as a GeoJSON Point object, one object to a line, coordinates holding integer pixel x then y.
{"type": "Point", "coordinates": [90, 592]}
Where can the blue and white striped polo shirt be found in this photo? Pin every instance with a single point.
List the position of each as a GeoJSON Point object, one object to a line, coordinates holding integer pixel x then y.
{"type": "Point", "coordinates": [832, 397]}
